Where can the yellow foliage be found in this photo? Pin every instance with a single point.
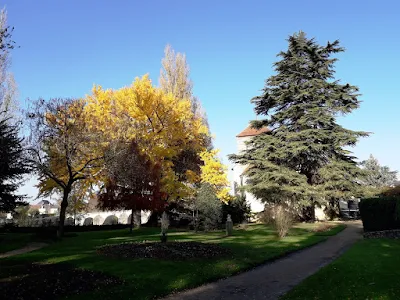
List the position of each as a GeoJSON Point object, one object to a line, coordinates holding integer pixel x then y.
{"type": "Point", "coordinates": [215, 173]}
{"type": "Point", "coordinates": [69, 146]}
{"type": "Point", "coordinates": [161, 124]}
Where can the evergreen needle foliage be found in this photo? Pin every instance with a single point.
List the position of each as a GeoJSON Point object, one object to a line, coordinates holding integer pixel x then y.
{"type": "Point", "coordinates": [303, 159]}
{"type": "Point", "coordinates": [12, 166]}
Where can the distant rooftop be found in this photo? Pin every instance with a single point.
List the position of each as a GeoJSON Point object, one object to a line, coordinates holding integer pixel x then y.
{"type": "Point", "coordinates": [249, 131]}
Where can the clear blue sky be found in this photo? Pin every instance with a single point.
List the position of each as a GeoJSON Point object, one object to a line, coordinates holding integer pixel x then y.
{"type": "Point", "coordinates": [67, 46]}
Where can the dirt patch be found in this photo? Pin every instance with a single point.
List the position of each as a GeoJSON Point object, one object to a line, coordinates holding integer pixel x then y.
{"type": "Point", "coordinates": [49, 281]}
{"type": "Point", "coordinates": [169, 251]}
{"type": "Point", "coordinates": [322, 227]}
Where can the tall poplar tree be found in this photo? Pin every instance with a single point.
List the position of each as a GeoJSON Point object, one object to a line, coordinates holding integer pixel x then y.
{"type": "Point", "coordinates": [304, 159]}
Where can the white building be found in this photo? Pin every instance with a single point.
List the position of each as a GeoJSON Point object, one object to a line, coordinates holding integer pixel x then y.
{"type": "Point", "coordinates": [45, 207]}
{"type": "Point", "coordinates": [238, 170]}
{"type": "Point", "coordinates": [256, 205]}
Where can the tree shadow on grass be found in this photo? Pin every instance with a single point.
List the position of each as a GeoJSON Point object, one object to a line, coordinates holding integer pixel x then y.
{"type": "Point", "coordinates": [146, 278]}
{"type": "Point", "coordinates": [50, 281]}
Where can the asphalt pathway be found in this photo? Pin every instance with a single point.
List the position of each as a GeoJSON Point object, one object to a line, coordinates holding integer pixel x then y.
{"type": "Point", "coordinates": [28, 248]}
{"type": "Point", "coordinates": [274, 279]}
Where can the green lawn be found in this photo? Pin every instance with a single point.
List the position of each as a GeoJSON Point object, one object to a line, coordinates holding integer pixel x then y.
{"type": "Point", "coordinates": [369, 270]}
{"type": "Point", "coordinates": [14, 241]}
{"type": "Point", "coordinates": [147, 278]}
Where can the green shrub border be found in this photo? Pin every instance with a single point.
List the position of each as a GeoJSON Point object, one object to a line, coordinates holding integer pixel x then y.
{"type": "Point", "coordinates": [379, 214]}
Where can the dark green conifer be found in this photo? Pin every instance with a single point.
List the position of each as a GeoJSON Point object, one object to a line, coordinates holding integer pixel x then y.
{"type": "Point", "coordinates": [304, 159]}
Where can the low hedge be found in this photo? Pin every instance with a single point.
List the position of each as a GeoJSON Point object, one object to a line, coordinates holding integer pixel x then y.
{"type": "Point", "coordinates": [380, 213]}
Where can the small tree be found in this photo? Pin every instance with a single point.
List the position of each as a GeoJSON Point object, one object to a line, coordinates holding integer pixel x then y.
{"type": "Point", "coordinates": [208, 208]}
{"type": "Point", "coordinates": [76, 202]}
{"type": "Point", "coordinates": [377, 176]}
{"type": "Point", "coordinates": [63, 150]}
{"type": "Point", "coordinates": [133, 182]}
{"type": "Point", "coordinates": [283, 219]}
{"type": "Point", "coordinates": [8, 88]}
{"type": "Point", "coordinates": [238, 208]}
{"type": "Point", "coordinates": [21, 215]}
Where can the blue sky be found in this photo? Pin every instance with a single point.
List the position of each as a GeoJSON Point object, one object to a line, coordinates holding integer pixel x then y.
{"type": "Point", "coordinates": [67, 46]}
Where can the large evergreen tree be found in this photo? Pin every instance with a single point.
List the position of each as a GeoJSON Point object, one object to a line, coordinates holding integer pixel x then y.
{"type": "Point", "coordinates": [12, 162]}
{"type": "Point", "coordinates": [12, 165]}
{"type": "Point", "coordinates": [303, 158]}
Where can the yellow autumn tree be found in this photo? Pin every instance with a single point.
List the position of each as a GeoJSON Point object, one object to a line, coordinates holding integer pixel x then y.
{"type": "Point", "coordinates": [158, 122]}
{"type": "Point", "coordinates": [215, 173]}
{"type": "Point", "coordinates": [62, 149]}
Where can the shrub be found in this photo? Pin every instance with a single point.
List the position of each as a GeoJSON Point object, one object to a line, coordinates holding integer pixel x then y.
{"type": "Point", "coordinates": [209, 208]}
{"type": "Point", "coordinates": [380, 213]}
{"type": "Point", "coordinates": [237, 208]}
{"type": "Point", "coordinates": [391, 191]}
{"type": "Point", "coordinates": [266, 216]}
{"type": "Point", "coordinates": [283, 220]}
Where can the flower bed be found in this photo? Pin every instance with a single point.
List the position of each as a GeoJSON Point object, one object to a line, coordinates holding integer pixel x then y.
{"type": "Point", "coordinates": [169, 251]}
{"type": "Point", "coordinates": [391, 234]}
{"type": "Point", "coordinates": [50, 281]}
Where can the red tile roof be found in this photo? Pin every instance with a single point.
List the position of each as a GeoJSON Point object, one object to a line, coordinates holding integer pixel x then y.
{"type": "Point", "coordinates": [249, 131]}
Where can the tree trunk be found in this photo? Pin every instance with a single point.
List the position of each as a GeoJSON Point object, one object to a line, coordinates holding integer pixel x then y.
{"type": "Point", "coordinates": [131, 224]}
{"type": "Point", "coordinates": [63, 209]}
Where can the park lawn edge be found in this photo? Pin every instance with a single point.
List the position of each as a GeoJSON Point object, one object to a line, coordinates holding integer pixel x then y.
{"type": "Point", "coordinates": [367, 270]}
{"type": "Point", "coordinates": [324, 236]}
{"type": "Point", "coordinates": [314, 238]}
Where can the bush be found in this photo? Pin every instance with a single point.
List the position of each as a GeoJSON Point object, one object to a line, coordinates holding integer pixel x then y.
{"type": "Point", "coordinates": [267, 216]}
{"type": "Point", "coordinates": [380, 213]}
{"type": "Point", "coordinates": [237, 208]}
{"type": "Point", "coordinates": [391, 191]}
{"type": "Point", "coordinates": [209, 208]}
{"type": "Point", "coordinates": [283, 220]}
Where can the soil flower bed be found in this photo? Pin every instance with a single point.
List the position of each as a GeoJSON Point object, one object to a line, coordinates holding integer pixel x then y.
{"type": "Point", "coordinates": [390, 234]}
{"type": "Point", "coordinates": [169, 250]}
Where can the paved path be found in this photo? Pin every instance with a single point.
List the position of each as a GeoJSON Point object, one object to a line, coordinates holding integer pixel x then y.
{"type": "Point", "coordinates": [28, 248]}
{"type": "Point", "coordinates": [276, 278]}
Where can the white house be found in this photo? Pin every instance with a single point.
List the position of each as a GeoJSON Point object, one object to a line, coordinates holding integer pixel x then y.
{"type": "Point", "coordinates": [238, 180]}
{"type": "Point", "coordinates": [45, 207]}
{"type": "Point", "coordinates": [256, 205]}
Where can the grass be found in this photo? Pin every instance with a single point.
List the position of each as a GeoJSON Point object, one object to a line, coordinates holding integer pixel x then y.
{"type": "Point", "coordinates": [369, 270]}
{"type": "Point", "coordinates": [9, 242]}
{"type": "Point", "coordinates": [148, 278]}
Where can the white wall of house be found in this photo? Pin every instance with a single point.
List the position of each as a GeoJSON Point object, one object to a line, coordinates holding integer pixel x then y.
{"type": "Point", "coordinates": [255, 204]}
